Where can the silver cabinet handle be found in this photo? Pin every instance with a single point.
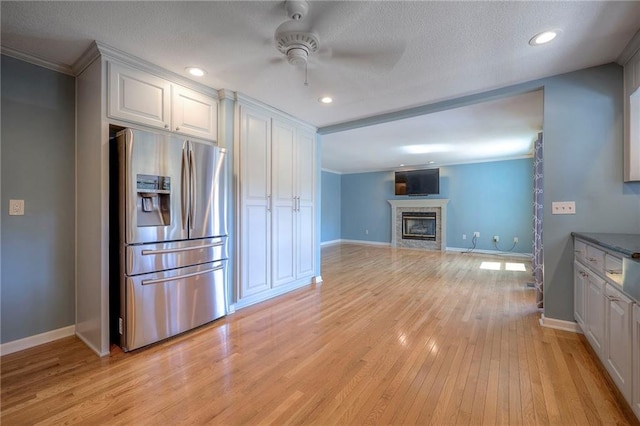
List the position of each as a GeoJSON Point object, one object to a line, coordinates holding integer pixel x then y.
{"type": "Point", "coordinates": [180, 249]}
{"type": "Point", "coordinates": [179, 277]}
{"type": "Point", "coordinates": [592, 259]}
{"type": "Point", "coordinates": [613, 298]}
{"type": "Point", "coordinates": [268, 203]}
{"type": "Point", "coordinates": [166, 126]}
{"type": "Point", "coordinates": [177, 128]}
{"type": "Point", "coordinates": [614, 272]}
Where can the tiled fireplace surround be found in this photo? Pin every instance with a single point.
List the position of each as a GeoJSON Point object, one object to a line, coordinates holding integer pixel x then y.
{"type": "Point", "coordinates": [438, 206]}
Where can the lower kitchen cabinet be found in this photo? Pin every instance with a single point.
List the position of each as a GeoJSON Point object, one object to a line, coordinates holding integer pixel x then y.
{"type": "Point", "coordinates": [595, 313]}
{"type": "Point", "coordinates": [608, 316]}
{"type": "Point", "coordinates": [580, 282]}
{"type": "Point", "coordinates": [618, 339]}
{"type": "Point", "coordinates": [635, 352]}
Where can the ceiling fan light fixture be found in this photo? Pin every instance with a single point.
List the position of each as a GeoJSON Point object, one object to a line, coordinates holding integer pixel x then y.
{"type": "Point", "coordinates": [543, 37]}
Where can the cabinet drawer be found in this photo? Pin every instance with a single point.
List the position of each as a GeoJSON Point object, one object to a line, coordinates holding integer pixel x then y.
{"type": "Point", "coordinates": [613, 268]}
{"type": "Point", "coordinates": [580, 250]}
{"type": "Point", "coordinates": [595, 259]}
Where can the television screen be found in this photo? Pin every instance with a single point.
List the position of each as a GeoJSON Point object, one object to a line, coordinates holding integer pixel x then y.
{"type": "Point", "coordinates": [418, 182]}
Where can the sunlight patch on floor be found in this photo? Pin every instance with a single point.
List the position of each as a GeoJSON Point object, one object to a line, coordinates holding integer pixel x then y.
{"type": "Point", "coordinates": [509, 266]}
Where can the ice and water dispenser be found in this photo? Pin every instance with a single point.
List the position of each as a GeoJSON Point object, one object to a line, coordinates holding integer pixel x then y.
{"type": "Point", "coordinates": [154, 200]}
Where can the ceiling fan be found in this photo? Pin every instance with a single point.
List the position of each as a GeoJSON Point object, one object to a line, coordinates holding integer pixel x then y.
{"type": "Point", "coordinates": [298, 40]}
{"type": "Point", "coordinates": [295, 38]}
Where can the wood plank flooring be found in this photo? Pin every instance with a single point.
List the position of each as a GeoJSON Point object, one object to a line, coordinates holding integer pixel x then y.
{"type": "Point", "coordinates": [390, 337]}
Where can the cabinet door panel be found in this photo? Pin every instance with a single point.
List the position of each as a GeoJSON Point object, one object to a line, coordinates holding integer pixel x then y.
{"type": "Point", "coordinates": [255, 222]}
{"type": "Point", "coordinates": [595, 314]}
{"type": "Point", "coordinates": [636, 360]}
{"type": "Point", "coordinates": [306, 249]}
{"type": "Point", "coordinates": [194, 114]}
{"type": "Point", "coordinates": [305, 163]}
{"type": "Point", "coordinates": [138, 97]}
{"type": "Point", "coordinates": [283, 248]}
{"type": "Point", "coordinates": [618, 339]}
{"type": "Point", "coordinates": [256, 268]}
{"type": "Point", "coordinates": [579, 293]}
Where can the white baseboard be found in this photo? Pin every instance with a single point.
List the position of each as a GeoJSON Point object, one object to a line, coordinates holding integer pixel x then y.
{"type": "Point", "coordinates": [366, 243]}
{"type": "Point", "coordinates": [330, 243]}
{"type": "Point", "coordinates": [494, 252]}
{"type": "Point", "coordinates": [560, 324]}
{"type": "Point", "coordinates": [38, 339]}
{"type": "Point", "coordinates": [317, 279]}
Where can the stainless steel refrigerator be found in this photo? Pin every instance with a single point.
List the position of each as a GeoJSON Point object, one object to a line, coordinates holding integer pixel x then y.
{"type": "Point", "coordinates": [173, 236]}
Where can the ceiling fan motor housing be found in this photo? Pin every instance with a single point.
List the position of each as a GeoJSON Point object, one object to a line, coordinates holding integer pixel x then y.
{"type": "Point", "coordinates": [296, 44]}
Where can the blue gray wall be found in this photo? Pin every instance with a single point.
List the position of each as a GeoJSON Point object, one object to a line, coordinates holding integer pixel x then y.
{"type": "Point", "coordinates": [492, 198]}
{"type": "Point", "coordinates": [331, 209]}
{"type": "Point", "coordinates": [583, 162]}
{"type": "Point", "coordinates": [38, 166]}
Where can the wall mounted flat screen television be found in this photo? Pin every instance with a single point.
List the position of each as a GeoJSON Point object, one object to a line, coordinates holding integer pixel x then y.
{"type": "Point", "coordinates": [418, 182]}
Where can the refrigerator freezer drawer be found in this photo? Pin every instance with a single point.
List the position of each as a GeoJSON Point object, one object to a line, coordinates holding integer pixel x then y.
{"type": "Point", "coordinates": [147, 258]}
{"type": "Point", "coordinates": [164, 304]}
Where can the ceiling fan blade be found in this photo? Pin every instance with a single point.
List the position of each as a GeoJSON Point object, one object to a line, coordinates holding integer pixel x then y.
{"type": "Point", "coordinates": [328, 18]}
{"type": "Point", "coordinates": [378, 58]}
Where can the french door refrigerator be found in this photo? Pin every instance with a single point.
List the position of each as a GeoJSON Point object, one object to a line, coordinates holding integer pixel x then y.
{"type": "Point", "coordinates": [173, 236]}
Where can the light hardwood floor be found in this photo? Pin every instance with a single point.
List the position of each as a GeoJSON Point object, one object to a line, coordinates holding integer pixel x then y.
{"type": "Point", "coordinates": [390, 337]}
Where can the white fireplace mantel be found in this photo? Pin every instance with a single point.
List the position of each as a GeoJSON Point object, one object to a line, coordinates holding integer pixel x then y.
{"type": "Point", "coordinates": [440, 204]}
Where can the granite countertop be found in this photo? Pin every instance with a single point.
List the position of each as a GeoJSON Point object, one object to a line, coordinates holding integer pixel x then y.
{"type": "Point", "coordinates": [626, 244]}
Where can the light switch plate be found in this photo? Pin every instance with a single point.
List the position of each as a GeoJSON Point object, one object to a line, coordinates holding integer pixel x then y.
{"type": "Point", "coordinates": [16, 207]}
{"type": "Point", "coordinates": [563, 207]}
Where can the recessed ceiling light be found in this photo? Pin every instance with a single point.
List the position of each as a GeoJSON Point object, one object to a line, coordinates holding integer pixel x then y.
{"type": "Point", "coordinates": [326, 99]}
{"type": "Point", "coordinates": [543, 37]}
{"type": "Point", "coordinates": [195, 71]}
{"type": "Point", "coordinates": [431, 162]}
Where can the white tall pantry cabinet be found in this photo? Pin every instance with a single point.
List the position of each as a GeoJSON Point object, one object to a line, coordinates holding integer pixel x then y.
{"type": "Point", "coordinates": [277, 179]}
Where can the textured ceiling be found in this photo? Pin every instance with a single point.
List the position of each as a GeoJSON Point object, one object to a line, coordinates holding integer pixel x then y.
{"type": "Point", "coordinates": [376, 56]}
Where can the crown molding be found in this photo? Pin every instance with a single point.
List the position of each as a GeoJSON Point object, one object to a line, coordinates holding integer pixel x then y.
{"type": "Point", "coordinates": [226, 94]}
{"type": "Point", "coordinates": [61, 68]}
{"type": "Point", "coordinates": [242, 98]}
{"type": "Point", "coordinates": [630, 49]}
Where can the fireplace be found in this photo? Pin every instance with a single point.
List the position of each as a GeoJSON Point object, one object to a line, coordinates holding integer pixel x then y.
{"type": "Point", "coordinates": [426, 224]}
{"type": "Point", "coordinates": [419, 225]}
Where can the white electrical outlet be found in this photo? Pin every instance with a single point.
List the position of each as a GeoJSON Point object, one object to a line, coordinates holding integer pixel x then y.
{"type": "Point", "coordinates": [16, 207]}
{"type": "Point", "coordinates": [476, 234]}
{"type": "Point", "coordinates": [464, 236]}
{"type": "Point", "coordinates": [515, 239]}
{"type": "Point", "coordinates": [366, 231]}
{"type": "Point", "coordinates": [563, 207]}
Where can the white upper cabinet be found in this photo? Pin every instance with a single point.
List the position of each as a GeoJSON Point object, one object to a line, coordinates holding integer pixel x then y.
{"type": "Point", "coordinates": [139, 97]}
{"type": "Point", "coordinates": [194, 113]}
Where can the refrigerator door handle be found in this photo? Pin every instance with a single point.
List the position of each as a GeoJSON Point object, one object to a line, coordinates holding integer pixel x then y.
{"type": "Point", "coordinates": [193, 274]}
{"type": "Point", "coordinates": [192, 185]}
{"type": "Point", "coordinates": [180, 249]}
{"type": "Point", "coordinates": [183, 185]}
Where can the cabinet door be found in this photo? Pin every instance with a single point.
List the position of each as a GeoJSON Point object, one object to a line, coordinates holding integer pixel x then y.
{"type": "Point", "coordinates": [636, 360]}
{"type": "Point", "coordinates": [595, 313]}
{"type": "Point", "coordinates": [618, 339]}
{"type": "Point", "coordinates": [138, 97]}
{"type": "Point", "coordinates": [305, 190]}
{"type": "Point", "coordinates": [579, 293]}
{"type": "Point", "coordinates": [194, 113]}
{"type": "Point", "coordinates": [283, 246]}
{"type": "Point", "coordinates": [255, 184]}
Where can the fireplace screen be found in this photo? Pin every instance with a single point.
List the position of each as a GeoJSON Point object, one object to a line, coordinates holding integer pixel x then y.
{"type": "Point", "coordinates": [419, 225]}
